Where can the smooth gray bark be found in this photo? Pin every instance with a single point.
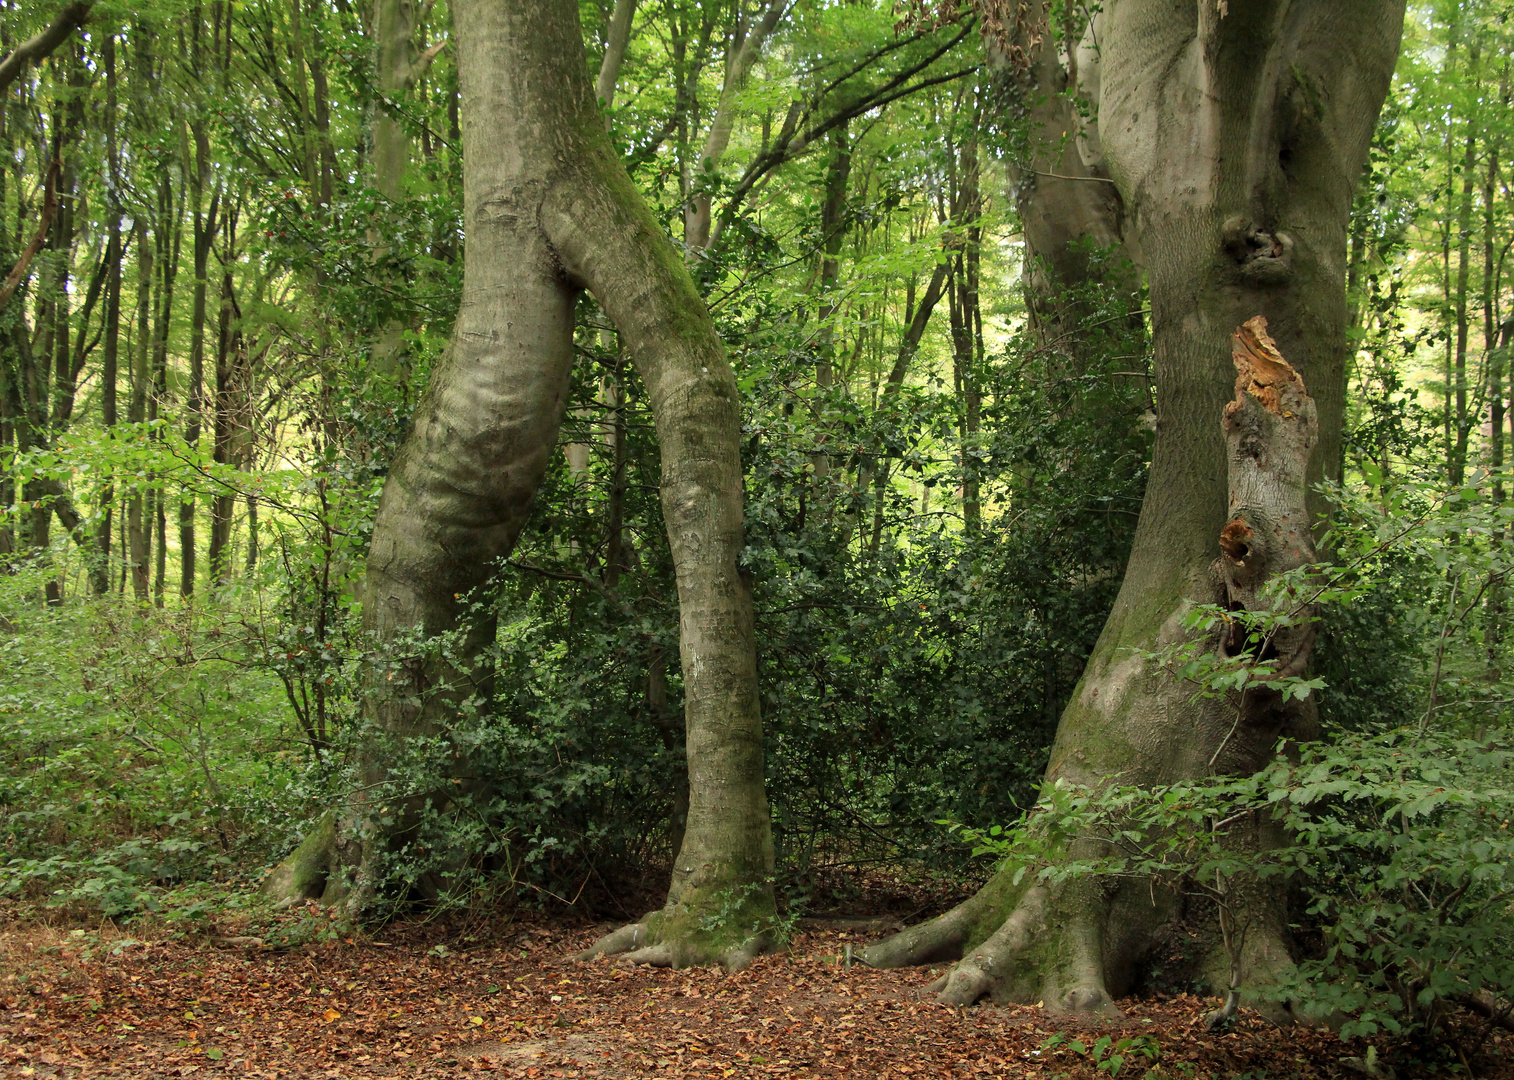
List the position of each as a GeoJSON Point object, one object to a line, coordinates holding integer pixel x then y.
{"type": "Point", "coordinates": [1236, 141]}
{"type": "Point", "coordinates": [616, 42]}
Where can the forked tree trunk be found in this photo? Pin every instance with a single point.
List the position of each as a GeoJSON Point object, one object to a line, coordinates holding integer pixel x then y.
{"type": "Point", "coordinates": [1236, 140]}
{"type": "Point", "coordinates": [550, 211]}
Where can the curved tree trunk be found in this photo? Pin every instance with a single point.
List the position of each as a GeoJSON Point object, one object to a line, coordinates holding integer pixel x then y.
{"type": "Point", "coordinates": [1236, 140]}
{"type": "Point", "coordinates": [550, 211]}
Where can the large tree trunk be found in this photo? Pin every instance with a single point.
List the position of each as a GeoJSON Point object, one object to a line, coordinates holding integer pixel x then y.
{"type": "Point", "coordinates": [1236, 140]}
{"type": "Point", "coordinates": [550, 211]}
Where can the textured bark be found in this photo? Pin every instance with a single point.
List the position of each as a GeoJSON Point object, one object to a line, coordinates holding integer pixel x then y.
{"type": "Point", "coordinates": [1270, 427]}
{"type": "Point", "coordinates": [550, 211]}
{"type": "Point", "coordinates": [1236, 140]}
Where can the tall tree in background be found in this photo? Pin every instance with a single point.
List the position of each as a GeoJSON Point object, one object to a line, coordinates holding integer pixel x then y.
{"type": "Point", "coordinates": [550, 212]}
{"type": "Point", "coordinates": [399, 62]}
{"type": "Point", "coordinates": [1068, 205]}
{"type": "Point", "coordinates": [1235, 134]}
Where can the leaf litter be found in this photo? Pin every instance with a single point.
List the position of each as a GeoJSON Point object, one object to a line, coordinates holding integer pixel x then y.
{"type": "Point", "coordinates": [74, 1005]}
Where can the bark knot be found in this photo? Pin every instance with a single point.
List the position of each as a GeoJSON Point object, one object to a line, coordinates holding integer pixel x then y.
{"type": "Point", "coordinates": [1260, 255]}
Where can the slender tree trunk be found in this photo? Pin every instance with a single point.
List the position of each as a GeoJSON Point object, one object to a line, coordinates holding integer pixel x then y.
{"type": "Point", "coordinates": [252, 534]}
{"type": "Point", "coordinates": [1495, 349]}
{"type": "Point", "coordinates": [160, 580]}
{"type": "Point", "coordinates": [617, 39]}
{"type": "Point", "coordinates": [1462, 421]}
{"type": "Point", "coordinates": [223, 503]}
{"type": "Point", "coordinates": [139, 537]}
{"type": "Point", "coordinates": [917, 319]}
{"type": "Point", "coordinates": [203, 230]}
{"type": "Point", "coordinates": [833, 225]}
{"type": "Point", "coordinates": [170, 238]}
{"type": "Point", "coordinates": [746, 47]}
{"type": "Point", "coordinates": [1236, 138]}
{"type": "Point", "coordinates": [110, 362]}
{"type": "Point", "coordinates": [964, 316]}
{"type": "Point", "coordinates": [10, 400]}
{"type": "Point", "coordinates": [832, 236]}
{"type": "Point", "coordinates": [398, 64]}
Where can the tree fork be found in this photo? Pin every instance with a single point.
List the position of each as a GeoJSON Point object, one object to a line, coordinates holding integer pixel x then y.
{"type": "Point", "coordinates": [551, 211]}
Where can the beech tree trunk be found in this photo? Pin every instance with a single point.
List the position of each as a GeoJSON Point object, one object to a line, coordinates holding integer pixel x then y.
{"type": "Point", "coordinates": [550, 211]}
{"type": "Point", "coordinates": [1235, 137]}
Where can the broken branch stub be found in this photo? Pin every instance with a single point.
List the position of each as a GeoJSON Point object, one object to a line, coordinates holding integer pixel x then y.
{"type": "Point", "coordinates": [1271, 428]}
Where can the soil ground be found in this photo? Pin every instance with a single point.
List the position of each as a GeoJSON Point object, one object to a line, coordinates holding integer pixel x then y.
{"type": "Point", "coordinates": [84, 1003]}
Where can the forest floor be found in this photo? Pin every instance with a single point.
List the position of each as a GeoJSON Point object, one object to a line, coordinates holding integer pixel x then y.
{"type": "Point", "coordinates": [98, 1002]}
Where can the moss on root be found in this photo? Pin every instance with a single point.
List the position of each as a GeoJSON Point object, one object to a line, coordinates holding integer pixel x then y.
{"type": "Point", "coordinates": [730, 927]}
{"type": "Point", "coordinates": [304, 873]}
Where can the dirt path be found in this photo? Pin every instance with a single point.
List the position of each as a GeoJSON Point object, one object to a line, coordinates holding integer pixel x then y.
{"type": "Point", "coordinates": [76, 1004]}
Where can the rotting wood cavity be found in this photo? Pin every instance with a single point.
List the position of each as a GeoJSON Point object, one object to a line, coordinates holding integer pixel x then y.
{"type": "Point", "coordinates": [1260, 369]}
{"type": "Point", "coordinates": [1235, 540]}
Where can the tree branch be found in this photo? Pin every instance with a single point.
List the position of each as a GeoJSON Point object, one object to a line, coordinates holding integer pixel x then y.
{"type": "Point", "coordinates": [786, 148]}
{"type": "Point", "coordinates": [39, 45]}
{"type": "Point", "coordinates": [618, 38]}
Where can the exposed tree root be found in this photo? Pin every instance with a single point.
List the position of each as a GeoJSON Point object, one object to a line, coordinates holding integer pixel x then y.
{"type": "Point", "coordinates": [1076, 947]}
{"type": "Point", "coordinates": [305, 872]}
{"type": "Point", "coordinates": [679, 939]}
{"type": "Point", "coordinates": [328, 865]}
{"type": "Point", "coordinates": [1031, 944]}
